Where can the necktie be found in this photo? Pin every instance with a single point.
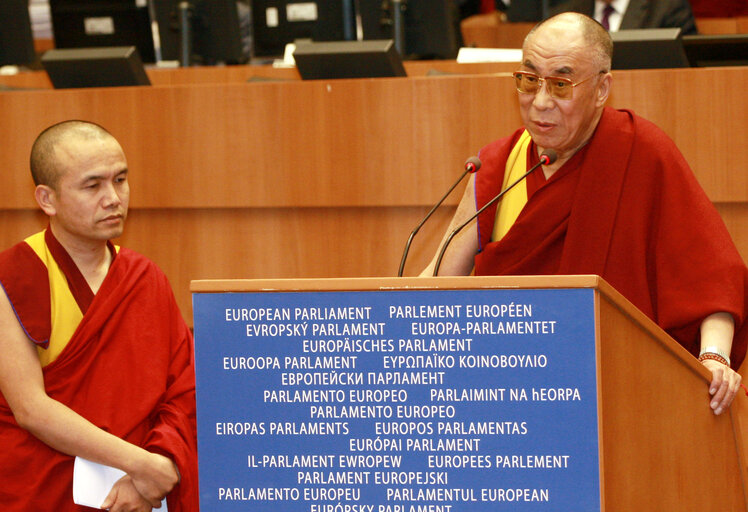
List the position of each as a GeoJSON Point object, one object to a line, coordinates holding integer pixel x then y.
{"type": "Point", "coordinates": [607, 11]}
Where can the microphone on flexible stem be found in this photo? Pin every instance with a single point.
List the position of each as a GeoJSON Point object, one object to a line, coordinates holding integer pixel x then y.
{"type": "Point", "coordinates": [546, 158]}
{"type": "Point", "coordinates": [471, 166]}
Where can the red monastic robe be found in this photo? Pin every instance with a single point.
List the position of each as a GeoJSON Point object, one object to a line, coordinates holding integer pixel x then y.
{"type": "Point", "coordinates": [626, 207]}
{"type": "Point", "coordinates": [129, 369]}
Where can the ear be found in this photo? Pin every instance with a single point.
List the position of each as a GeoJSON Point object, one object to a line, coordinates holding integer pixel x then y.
{"type": "Point", "coordinates": [603, 89]}
{"type": "Point", "coordinates": [46, 198]}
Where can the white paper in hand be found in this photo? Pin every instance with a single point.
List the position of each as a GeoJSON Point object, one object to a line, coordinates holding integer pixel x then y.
{"type": "Point", "coordinates": [92, 483]}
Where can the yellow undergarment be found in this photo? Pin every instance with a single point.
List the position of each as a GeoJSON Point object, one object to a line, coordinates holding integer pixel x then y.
{"type": "Point", "coordinates": [513, 201]}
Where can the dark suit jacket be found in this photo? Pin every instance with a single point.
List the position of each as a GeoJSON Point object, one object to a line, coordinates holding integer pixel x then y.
{"type": "Point", "coordinates": [641, 13]}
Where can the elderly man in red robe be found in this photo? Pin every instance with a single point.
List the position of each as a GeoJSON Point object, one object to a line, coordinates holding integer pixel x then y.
{"type": "Point", "coordinates": [97, 362]}
{"type": "Point", "coordinates": [619, 201]}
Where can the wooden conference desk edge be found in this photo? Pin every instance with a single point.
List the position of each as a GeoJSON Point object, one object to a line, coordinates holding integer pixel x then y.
{"type": "Point", "coordinates": [244, 73]}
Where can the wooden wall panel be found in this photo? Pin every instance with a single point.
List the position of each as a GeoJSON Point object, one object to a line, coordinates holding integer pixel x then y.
{"type": "Point", "coordinates": [708, 127]}
{"type": "Point", "coordinates": [734, 25]}
{"type": "Point", "coordinates": [289, 143]}
{"type": "Point", "coordinates": [281, 243]}
{"type": "Point", "coordinates": [327, 178]}
{"type": "Point", "coordinates": [717, 25]}
{"type": "Point", "coordinates": [492, 31]}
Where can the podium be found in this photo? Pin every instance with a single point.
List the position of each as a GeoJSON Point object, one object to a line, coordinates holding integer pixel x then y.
{"type": "Point", "coordinates": [451, 394]}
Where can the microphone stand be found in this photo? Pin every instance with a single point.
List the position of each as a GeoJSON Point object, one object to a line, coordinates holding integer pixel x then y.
{"type": "Point", "coordinates": [545, 8]}
{"type": "Point", "coordinates": [349, 20]}
{"type": "Point", "coordinates": [471, 166]}
{"type": "Point", "coordinates": [548, 157]}
{"type": "Point", "coordinates": [185, 9]}
{"type": "Point", "coordinates": [398, 25]}
{"type": "Point", "coordinates": [155, 33]}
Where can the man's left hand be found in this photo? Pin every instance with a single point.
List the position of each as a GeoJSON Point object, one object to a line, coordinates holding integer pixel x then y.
{"type": "Point", "coordinates": [124, 497]}
{"type": "Point", "coordinates": [724, 386]}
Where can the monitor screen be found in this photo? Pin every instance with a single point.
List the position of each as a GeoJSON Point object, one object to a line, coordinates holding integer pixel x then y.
{"type": "Point", "coordinates": [16, 39]}
{"type": "Point", "coordinates": [716, 50]}
{"type": "Point", "coordinates": [348, 59]}
{"type": "Point", "coordinates": [98, 23]}
{"type": "Point", "coordinates": [525, 11]}
{"type": "Point", "coordinates": [216, 33]}
{"type": "Point", "coordinates": [537, 10]}
{"type": "Point", "coordinates": [648, 48]}
{"type": "Point", "coordinates": [276, 23]}
{"type": "Point", "coordinates": [431, 27]}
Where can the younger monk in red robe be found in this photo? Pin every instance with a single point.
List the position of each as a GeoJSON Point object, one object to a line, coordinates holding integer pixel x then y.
{"type": "Point", "coordinates": [97, 361]}
{"type": "Point", "coordinates": [620, 202]}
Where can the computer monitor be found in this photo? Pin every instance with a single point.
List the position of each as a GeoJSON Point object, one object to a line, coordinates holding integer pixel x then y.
{"type": "Point", "coordinates": [16, 38]}
{"type": "Point", "coordinates": [94, 67]}
{"type": "Point", "coordinates": [214, 28]}
{"type": "Point", "coordinates": [430, 27]}
{"type": "Point", "coordinates": [716, 50]}
{"type": "Point", "coordinates": [277, 23]}
{"type": "Point", "coordinates": [523, 11]}
{"type": "Point", "coordinates": [99, 23]}
{"type": "Point", "coordinates": [648, 48]}
{"type": "Point", "coordinates": [348, 59]}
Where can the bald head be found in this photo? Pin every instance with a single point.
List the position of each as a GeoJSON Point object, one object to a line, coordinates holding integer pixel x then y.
{"type": "Point", "coordinates": [44, 162]}
{"type": "Point", "coordinates": [594, 35]}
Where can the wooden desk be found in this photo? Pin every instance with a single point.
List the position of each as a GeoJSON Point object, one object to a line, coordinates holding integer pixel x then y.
{"type": "Point", "coordinates": [242, 74]}
{"type": "Point", "coordinates": [735, 25]}
{"type": "Point", "coordinates": [327, 178]}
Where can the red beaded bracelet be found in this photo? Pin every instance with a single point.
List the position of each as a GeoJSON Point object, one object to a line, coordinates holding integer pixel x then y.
{"type": "Point", "coordinates": [713, 357]}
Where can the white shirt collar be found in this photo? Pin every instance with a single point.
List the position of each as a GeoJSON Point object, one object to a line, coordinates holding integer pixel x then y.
{"type": "Point", "coordinates": [616, 17]}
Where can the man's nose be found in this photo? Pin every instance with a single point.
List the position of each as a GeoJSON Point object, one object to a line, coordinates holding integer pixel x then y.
{"type": "Point", "coordinates": [111, 196]}
{"type": "Point", "coordinates": [542, 99]}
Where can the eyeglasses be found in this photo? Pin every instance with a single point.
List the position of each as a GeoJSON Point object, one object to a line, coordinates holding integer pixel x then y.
{"type": "Point", "coordinates": [558, 87]}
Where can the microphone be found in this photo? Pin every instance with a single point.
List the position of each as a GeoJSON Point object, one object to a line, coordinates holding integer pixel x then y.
{"type": "Point", "coordinates": [546, 158]}
{"type": "Point", "coordinates": [471, 166]}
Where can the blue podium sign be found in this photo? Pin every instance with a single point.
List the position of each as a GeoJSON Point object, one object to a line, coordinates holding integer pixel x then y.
{"type": "Point", "coordinates": [397, 401]}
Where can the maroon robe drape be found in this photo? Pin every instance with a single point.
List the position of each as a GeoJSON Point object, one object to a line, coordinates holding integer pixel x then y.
{"type": "Point", "coordinates": [628, 208]}
{"type": "Point", "coordinates": [129, 369]}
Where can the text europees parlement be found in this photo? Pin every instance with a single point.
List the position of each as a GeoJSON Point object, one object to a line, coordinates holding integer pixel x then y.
{"type": "Point", "coordinates": [380, 462]}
